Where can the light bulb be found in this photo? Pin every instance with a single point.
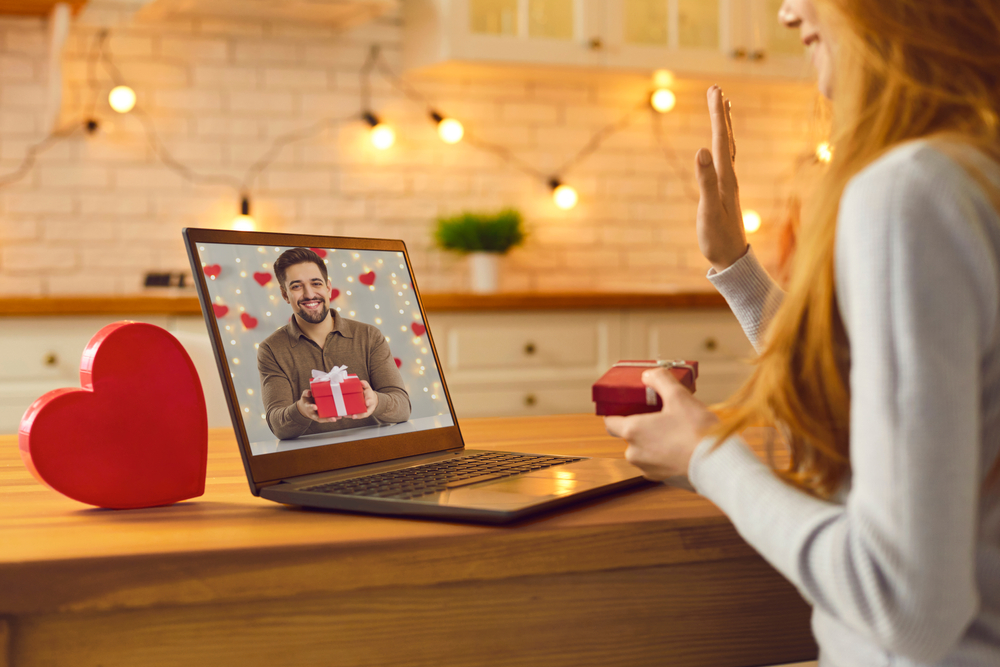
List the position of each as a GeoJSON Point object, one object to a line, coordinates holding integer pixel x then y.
{"type": "Point", "coordinates": [383, 136]}
{"type": "Point", "coordinates": [450, 131]}
{"type": "Point", "coordinates": [663, 100]}
{"type": "Point", "coordinates": [663, 78]}
{"type": "Point", "coordinates": [564, 196]}
{"type": "Point", "coordinates": [751, 221]}
{"type": "Point", "coordinates": [243, 222]}
{"type": "Point", "coordinates": [122, 99]}
{"type": "Point", "coordinates": [824, 152]}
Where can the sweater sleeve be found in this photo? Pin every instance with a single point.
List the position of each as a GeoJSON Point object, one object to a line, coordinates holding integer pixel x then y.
{"type": "Point", "coordinates": [751, 294]}
{"type": "Point", "coordinates": [918, 288]}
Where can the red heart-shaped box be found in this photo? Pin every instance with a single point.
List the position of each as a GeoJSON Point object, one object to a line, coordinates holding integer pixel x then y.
{"type": "Point", "coordinates": [135, 434]}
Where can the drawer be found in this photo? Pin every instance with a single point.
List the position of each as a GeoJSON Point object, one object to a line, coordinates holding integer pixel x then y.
{"type": "Point", "coordinates": [521, 400]}
{"type": "Point", "coordinates": [50, 349]}
{"type": "Point", "coordinates": [526, 341]}
{"type": "Point", "coordinates": [704, 336]}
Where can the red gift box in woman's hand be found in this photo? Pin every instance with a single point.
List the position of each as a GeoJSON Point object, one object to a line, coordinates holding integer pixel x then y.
{"type": "Point", "coordinates": [621, 391]}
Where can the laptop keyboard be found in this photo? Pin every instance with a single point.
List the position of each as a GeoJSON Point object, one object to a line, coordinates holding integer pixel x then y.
{"type": "Point", "coordinates": [441, 476]}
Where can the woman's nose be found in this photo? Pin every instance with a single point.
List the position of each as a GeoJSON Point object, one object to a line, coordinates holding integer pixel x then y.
{"type": "Point", "coordinates": [787, 15]}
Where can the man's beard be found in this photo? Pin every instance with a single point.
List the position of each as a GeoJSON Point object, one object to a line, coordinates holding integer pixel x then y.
{"type": "Point", "coordinates": [313, 317]}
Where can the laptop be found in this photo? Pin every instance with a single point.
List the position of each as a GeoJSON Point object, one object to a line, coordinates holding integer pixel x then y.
{"type": "Point", "coordinates": [407, 457]}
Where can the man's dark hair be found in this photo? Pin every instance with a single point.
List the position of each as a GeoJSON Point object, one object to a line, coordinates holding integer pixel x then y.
{"type": "Point", "coordinates": [297, 256]}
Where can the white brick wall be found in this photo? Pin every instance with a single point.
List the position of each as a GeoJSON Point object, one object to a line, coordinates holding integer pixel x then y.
{"type": "Point", "coordinates": [97, 211]}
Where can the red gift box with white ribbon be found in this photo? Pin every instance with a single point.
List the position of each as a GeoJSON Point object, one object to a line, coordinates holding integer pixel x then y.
{"type": "Point", "coordinates": [620, 391]}
{"type": "Point", "coordinates": [336, 393]}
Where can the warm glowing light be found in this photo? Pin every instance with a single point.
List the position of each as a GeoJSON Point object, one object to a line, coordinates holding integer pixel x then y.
{"type": "Point", "coordinates": [663, 100]}
{"type": "Point", "coordinates": [751, 221]}
{"type": "Point", "coordinates": [663, 78]}
{"type": "Point", "coordinates": [122, 99]}
{"type": "Point", "coordinates": [824, 152]}
{"type": "Point", "coordinates": [450, 131]}
{"type": "Point", "coordinates": [243, 222]}
{"type": "Point", "coordinates": [383, 136]}
{"type": "Point", "coordinates": [565, 197]}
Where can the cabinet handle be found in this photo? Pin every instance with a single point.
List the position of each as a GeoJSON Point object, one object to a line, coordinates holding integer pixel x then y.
{"type": "Point", "coordinates": [710, 344]}
{"type": "Point", "coordinates": [757, 56]}
{"type": "Point", "coordinates": [51, 359]}
{"type": "Point", "coordinates": [530, 349]}
{"type": "Point", "coordinates": [595, 44]}
{"type": "Point", "coordinates": [530, 400]}
{"type": "Point", "coordinates": [739, 53]}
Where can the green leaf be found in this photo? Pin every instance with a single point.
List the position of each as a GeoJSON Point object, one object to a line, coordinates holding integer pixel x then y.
{"type": "Point", "coordinates": [480, 232]}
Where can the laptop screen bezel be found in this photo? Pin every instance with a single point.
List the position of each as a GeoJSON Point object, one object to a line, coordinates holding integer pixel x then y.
{"type": "Point", "coordinates": [265, 469]}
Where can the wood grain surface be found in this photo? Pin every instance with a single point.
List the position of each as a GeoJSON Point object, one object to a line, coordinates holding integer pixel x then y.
{"type": "Point", "coordinates": [656, 575]}
{"type": "Point", "coordinates": [36, 7]}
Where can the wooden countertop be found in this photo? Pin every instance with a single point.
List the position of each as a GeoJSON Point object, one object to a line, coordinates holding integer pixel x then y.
{"type": "Point", "coordinates": [651, 576]}
{"type": "Point", "coordinates": [156, 304]}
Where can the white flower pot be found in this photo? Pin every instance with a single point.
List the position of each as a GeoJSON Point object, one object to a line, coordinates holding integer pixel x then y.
{"type": "Point", "coordinates": [484, 269]}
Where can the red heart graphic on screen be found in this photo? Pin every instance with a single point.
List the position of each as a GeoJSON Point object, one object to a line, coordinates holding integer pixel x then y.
{"type": "Point", "coordinates": [399, 362]}
{"type": "Point", "coordinates": [248, 321]}
{"type": "Point", "coordinates": [262, 278]}
{"type": "Point", "coordinates": [213, 270]}
{"type": "Point", "coordinates": [319, 251]}
{"type": "Point", "coordinates": [220, 310]}
{"type": "Point", "coordinates": [134, 435]}
{"type": "Point", "coordinates": [367, 278]}
{"type": "Point", "coordinates": [334, 293]}
{"type": "Point", "coordinates": [418, 329]}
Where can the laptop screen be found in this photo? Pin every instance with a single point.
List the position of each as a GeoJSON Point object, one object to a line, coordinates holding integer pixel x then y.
{"type": "Point", "coordinates": [323, 345]}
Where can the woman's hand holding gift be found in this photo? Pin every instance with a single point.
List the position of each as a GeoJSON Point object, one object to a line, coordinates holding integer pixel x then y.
{"type": "Point", "coordinates": [661, 443]}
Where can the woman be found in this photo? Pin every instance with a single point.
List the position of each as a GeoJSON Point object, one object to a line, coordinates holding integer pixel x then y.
{"type": "Point", "coordinates": [881, 365]}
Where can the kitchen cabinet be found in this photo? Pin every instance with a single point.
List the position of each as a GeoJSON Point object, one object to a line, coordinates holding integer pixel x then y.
{"type": "Point", "coordinates": [702, 37]}
{"type": "Point", "coordinates": [524, 363]}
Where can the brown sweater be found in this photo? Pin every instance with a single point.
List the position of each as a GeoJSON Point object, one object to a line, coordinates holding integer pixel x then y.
{"type": "Point", "coordinates": [287, 358]}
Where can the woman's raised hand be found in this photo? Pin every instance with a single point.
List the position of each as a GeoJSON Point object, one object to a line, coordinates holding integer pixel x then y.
{"type": "Point", "coordinates": [721, 237]}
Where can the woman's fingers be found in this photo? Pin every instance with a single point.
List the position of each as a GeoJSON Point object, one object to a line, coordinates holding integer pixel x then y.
{"type": "Point", "coordinates": [721, 148]}
{"type": "Point", "coordinates": [729, 125]}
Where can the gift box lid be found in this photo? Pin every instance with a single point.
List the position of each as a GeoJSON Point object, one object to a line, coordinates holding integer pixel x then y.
{"type": "Point", "coordinates": [323, 388]}
{"type": "Point", "coordinates": [623, 382]}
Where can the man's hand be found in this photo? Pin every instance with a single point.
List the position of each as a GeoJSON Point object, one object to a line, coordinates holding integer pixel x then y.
{"type": "Point", "coordinates": [371, 401]}
{"type": "Point", "coordinates": [721, 236]}
{"type": "Point", "coordinates": [661, 443]}
{"type": "Point", "coordinates": [308, 408]}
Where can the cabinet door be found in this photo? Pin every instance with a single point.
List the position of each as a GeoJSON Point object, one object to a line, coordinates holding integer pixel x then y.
{"type": "Point", "coordinates": [688, 36]}
{"type": "Point", "coordinates": [545, 32]}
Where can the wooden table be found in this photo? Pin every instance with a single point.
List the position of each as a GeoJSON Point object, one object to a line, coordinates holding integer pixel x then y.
{"type": "Point", "coordinates": [655, 576]}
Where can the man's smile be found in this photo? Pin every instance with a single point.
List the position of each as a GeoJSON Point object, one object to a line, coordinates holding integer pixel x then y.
{"type": "Point", "coordinates": [311, 304]}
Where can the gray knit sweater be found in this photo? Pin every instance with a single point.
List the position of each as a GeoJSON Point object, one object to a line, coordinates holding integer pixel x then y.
{"type": "Point", "coordinates": [905, 568]}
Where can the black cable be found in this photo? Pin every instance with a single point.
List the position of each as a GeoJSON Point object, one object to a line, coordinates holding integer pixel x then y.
{"type": "Point", "coordinates": [601, 136]}
{"type": "Point", "coordinates": [33, 151]}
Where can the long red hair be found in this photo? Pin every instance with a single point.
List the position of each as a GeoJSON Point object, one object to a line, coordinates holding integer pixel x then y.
{"type": "Point", "coordinates": [905, 69]}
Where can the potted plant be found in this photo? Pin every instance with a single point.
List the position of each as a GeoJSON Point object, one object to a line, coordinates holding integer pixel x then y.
{"type": "Point", "coordinates": [484, 237]}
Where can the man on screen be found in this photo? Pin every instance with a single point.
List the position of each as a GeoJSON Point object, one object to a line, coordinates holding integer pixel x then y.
{"type": "Point", "coordinates": [317, 337]}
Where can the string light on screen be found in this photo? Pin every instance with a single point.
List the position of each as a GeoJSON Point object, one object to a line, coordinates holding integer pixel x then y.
{"type": "Point", "coordinates": [563, 195]}
{"type": "Point", "coordinates": [122, 99]}
{"type": "Point", "coordinates": [450, 130]}
{"type": "Point", "coordinates": [382, 136]}
{"type": "Point", "coordinates": [243, 222]}
{"type": "Point", "coordinates": [751, 221]}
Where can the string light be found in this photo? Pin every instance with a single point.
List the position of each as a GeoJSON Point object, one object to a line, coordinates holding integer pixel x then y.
{"type": "Point", "coordinates": [563, 195]}
{"type": "Point", "coordinates": [663, 100]}
{"type": "Point", "coordinates": [243, 222]}
{"type": "Point", "coordinates": [824, 152]}
{"type": "Point", "coordinates": [382, 136]}
{"type": "Point", "coordinates": [450, 130]}
{"type": "Point", "coordinates": [122, 99]}
{"type": "Point", "coordinates": [751, 221]}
